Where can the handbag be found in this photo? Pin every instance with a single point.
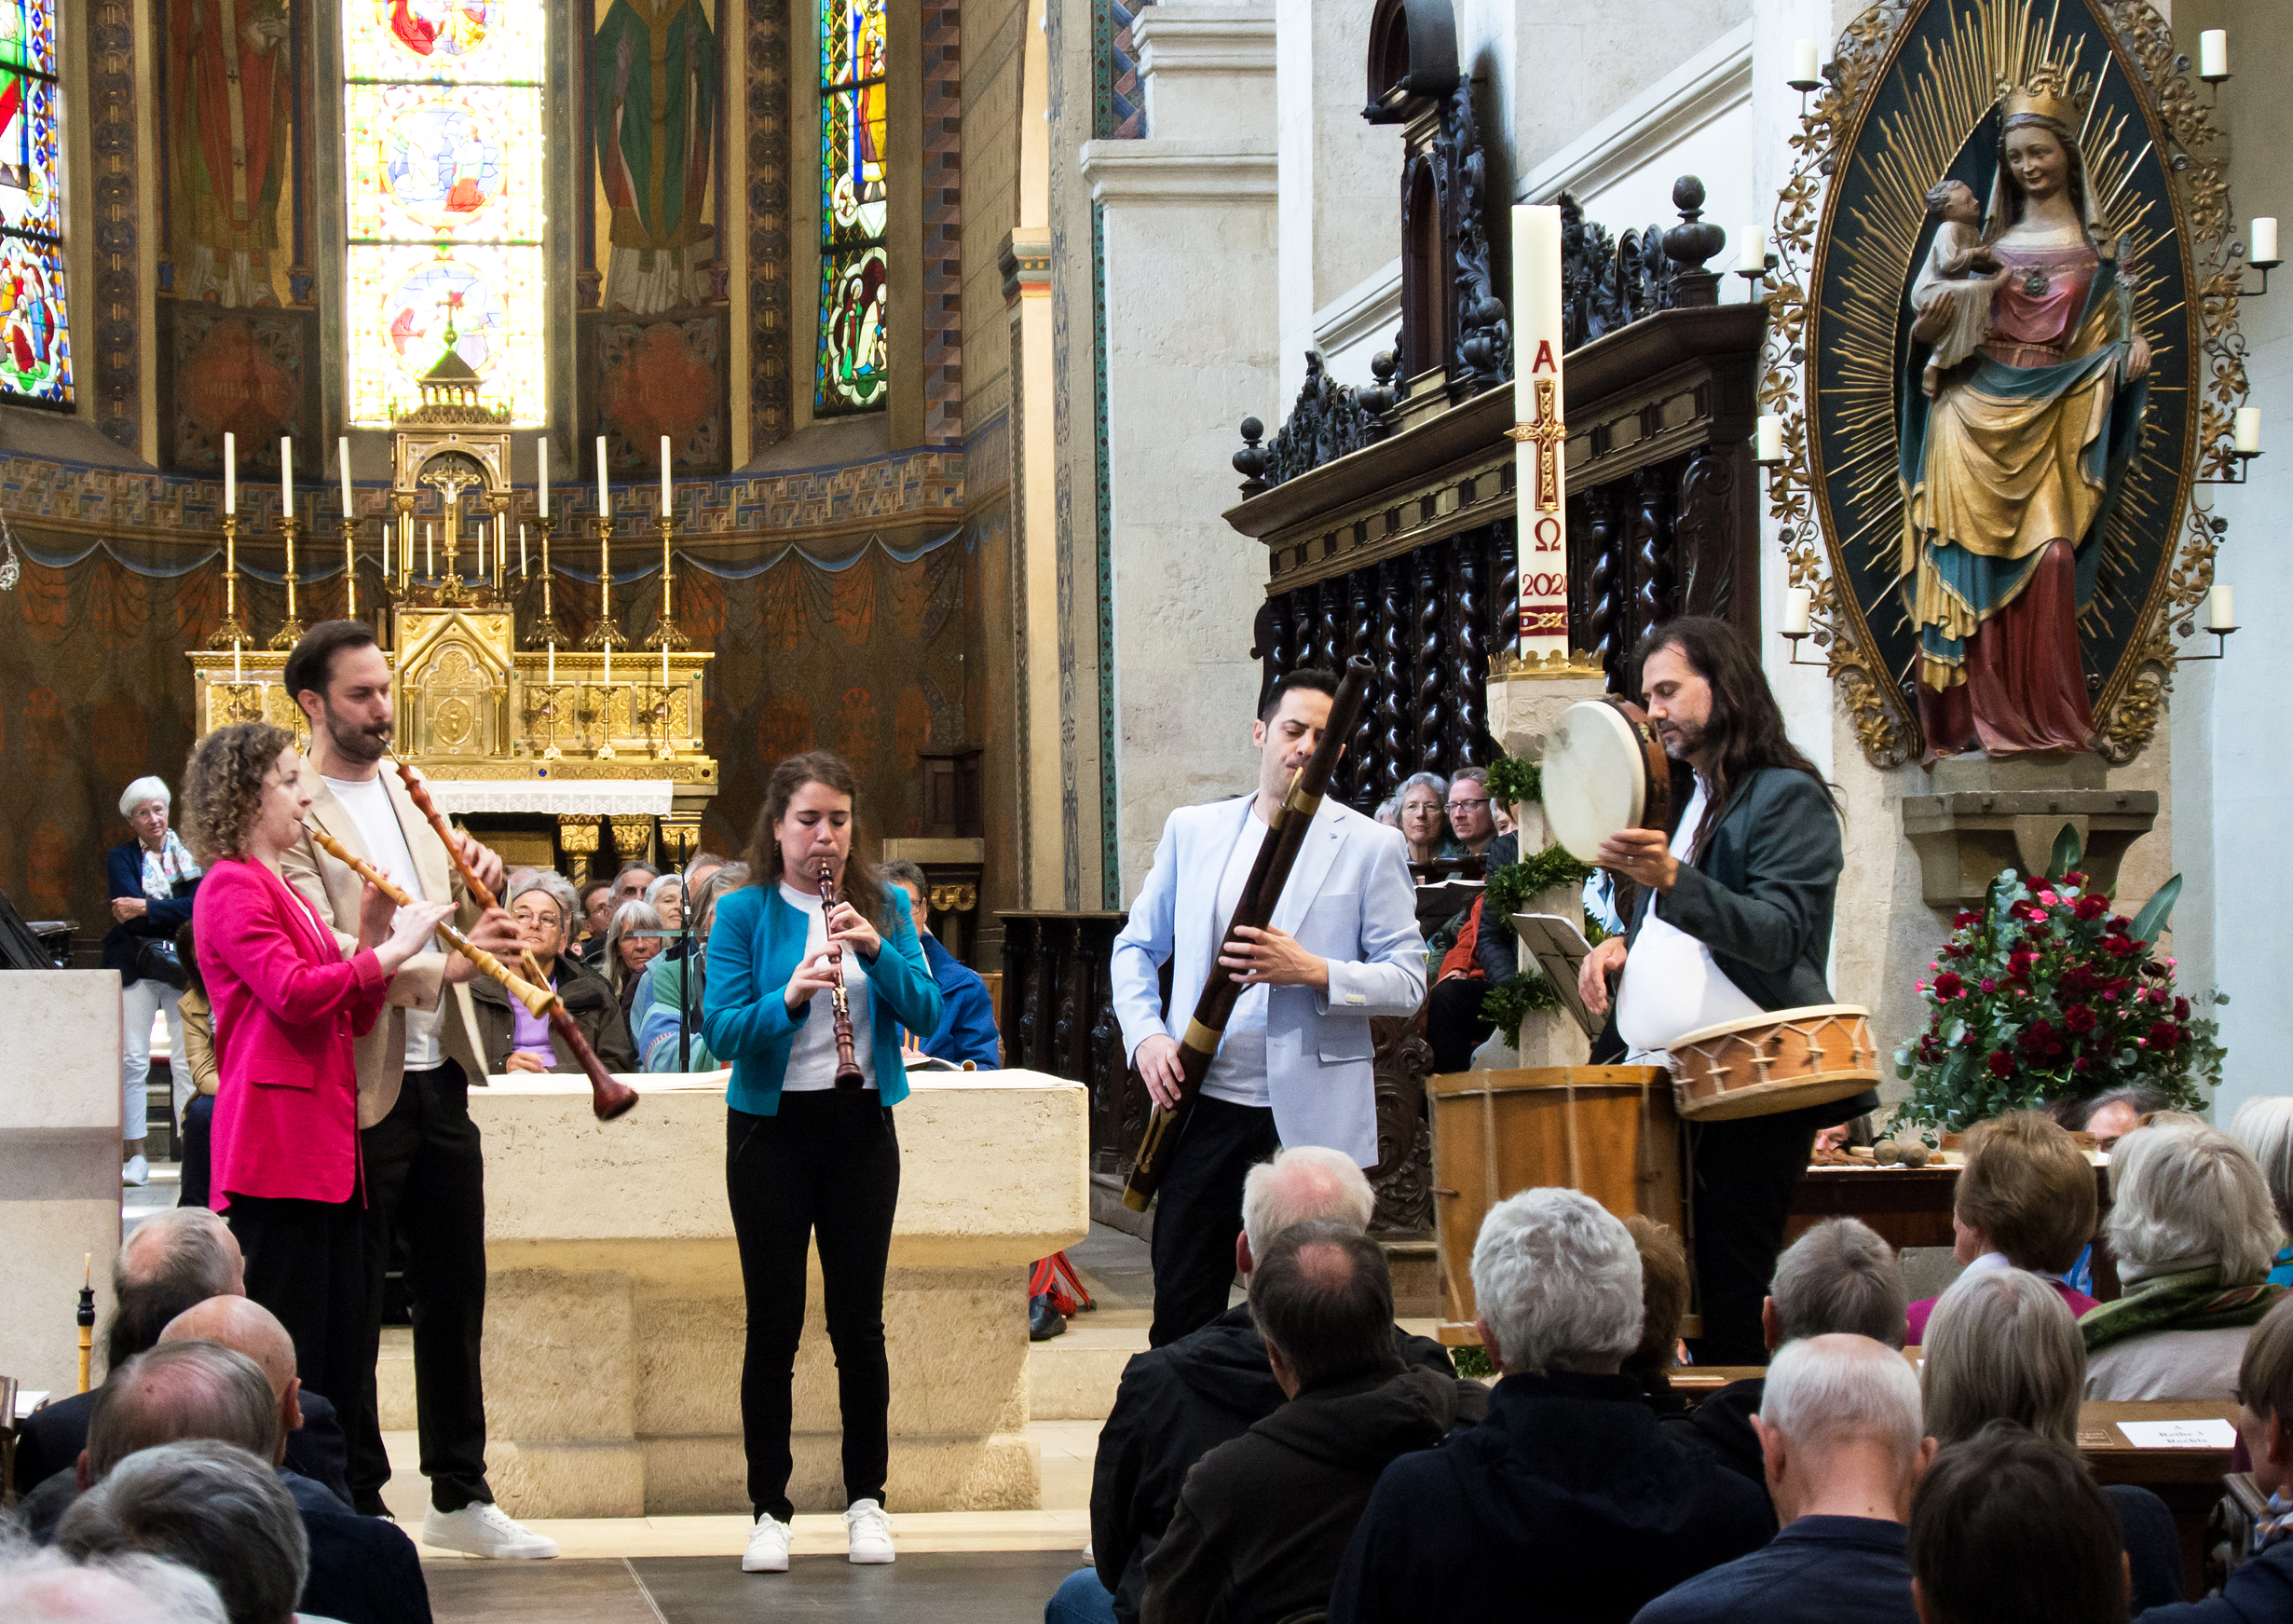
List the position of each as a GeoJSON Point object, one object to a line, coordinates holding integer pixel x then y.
{"type": "Point", "coordinates": [155, 959]}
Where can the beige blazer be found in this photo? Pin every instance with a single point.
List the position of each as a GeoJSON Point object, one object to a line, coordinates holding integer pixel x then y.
{"type": "Point", "coordinates": [334, 889]}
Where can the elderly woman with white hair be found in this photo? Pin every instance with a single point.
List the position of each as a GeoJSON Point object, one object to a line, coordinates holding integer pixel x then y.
{"type": "Point", "coordinates": [2194, 1232]}
{"type": "Point", "coordinates": [2002, 1346]}
{"type": "Point", "coordinates": [2265, 1128]}
{"type": "Point", "coordinates": [1569, 1487]}
{"type": "Point", "coordinates": [151, 878]}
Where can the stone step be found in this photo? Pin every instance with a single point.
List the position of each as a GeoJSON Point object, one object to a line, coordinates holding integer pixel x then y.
{"type": "Point", "coordinates": [1074, 1377]}
{"type": "Point", "coordinates": [394, 1379]}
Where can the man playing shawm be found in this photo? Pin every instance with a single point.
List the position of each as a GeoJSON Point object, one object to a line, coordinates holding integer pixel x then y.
{"type": "Point", "coordinates": [1294, 1066]}
{"type": "Point", "coordinates": [1733, 917]}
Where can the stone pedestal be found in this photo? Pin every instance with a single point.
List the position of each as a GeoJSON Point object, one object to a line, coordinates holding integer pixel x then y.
{"type": "Point", "coordinates": [1983, 816]}
{"type": "Point", "coordinates": [615, 1312]}
{"type": "Point", "coordinates": [1524, 704]}
{"type": "Point", "coordinates": [59, 1167]}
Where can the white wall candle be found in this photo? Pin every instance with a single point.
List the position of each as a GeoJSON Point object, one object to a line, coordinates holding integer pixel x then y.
{"type": "Point", "coordinates": [604, 500]}
{"type": "Point", "coordinates": [1768, 444]}
{"type": "Point", "coordinates": [2221, 609]}
{"type": "Point", "coordinates": [1806, 66]}
{"type": "Point", "coordinates": [541, 462]}
{"type": "Point", "coordinates": [286, 476]}
{"type": "Point", "coordinates": [1756, 248]}
{"type": "Point", "coordinates": [2264, 246]}
{"type": "Point", "coordinates": [2247, 434]}
{"type": "Point", "coordinates": [668, 499]}
{"type": "Point", "coordinates": [230, 471]}
{"type": "Point", "coordinates": [2213, 54]}
{"type": "Point", "coordinates": [520, 550]}
{"type": "Point", "coordinates": [1798, 603]}
{"type": "Point", "coordinates": [342, 459]}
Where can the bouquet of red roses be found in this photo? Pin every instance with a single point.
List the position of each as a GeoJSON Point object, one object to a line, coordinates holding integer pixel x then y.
{"type": "Point", "coordinates": [2045, 994]}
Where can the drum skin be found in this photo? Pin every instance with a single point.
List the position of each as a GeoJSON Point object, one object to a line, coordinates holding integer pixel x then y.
{"type": "Point", "coordinates": [1604, 772]}
{"type": "Point", "coordinates": [1765, 1065]}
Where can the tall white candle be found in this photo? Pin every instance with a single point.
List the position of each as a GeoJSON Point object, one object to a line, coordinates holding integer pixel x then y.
{"type": "Point", "coordinates": [342, 459]}
{"type": "Point", "coordinates": [2264, 248]}
{"type": "Point", "coordinates": [286, 476]}
{"type": "Point", "coordinates": [230, 471]}
{"type": "Point", "coordinates": [520, 550]}
{"type": "Point", "coordinates": [665, 677]}
{"type": "Point", "coordinates": [604, 500]}
{"type": "Point", "coordinates": [553, 662]}
{"type": "Point", "coordinates": [480, 528]}
{"type": "Point", "coordinates": [1540, 414]}
{"type": "Point", "coordinates": [541, 463]}
{"type": "Point", "coordinates": [1798, 603]}
{"type": "Point", "coordinates": [430, 548]}
{"type": "Point", "coordinates": [2246, 433]}
{"type": "Point", "coordinates": [237, 675]}
{"type": "Point", "coordinates": [1768, 441]}
{"type": "Point", "coordinates": [1756, 248]}
{"type": "Point", "coordinates": [2213, 54]}
{"type": "Point", "coordinates": [1807, 68]}
{"type": "Point", "coordinates": [386, 547]}
{"type": "Point", "coordinates": [2221, 609]}
{"type": "Point", "coordinates": [608, 680]}
{"type": "Point", "coordinates": [668, 500]}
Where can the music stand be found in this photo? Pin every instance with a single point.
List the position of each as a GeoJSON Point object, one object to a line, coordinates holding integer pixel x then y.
{"type": "Point", "coordinates": [1560, 949]}
{"type": "Point", "coordinates": [19, 950]}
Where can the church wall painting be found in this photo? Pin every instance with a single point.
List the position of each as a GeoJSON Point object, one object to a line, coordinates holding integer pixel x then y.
{"type": "Point", "coordinates": [230, 85]}
{"type": "Point", "coordinates": [253, 372]}
{"type": "Point", "coordinates": [35, 347]}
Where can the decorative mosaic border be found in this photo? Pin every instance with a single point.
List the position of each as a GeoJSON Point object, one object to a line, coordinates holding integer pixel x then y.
{"type": "Point", "coordinates": [943, 225]}
{"type": "Point", "coordinates": [111, 86]}
{"type": "Point", "coordinates": [770, 413]}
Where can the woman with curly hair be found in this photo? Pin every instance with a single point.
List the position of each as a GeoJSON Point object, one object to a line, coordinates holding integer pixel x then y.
{"type": "Point", "coordinates": [289, 1005]}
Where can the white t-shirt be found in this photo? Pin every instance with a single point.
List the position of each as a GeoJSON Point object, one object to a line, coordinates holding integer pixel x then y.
{"type": "Point", "coordinates": [811, 1059]}
{"type": "Point", "coordinates": [1672, 983]}
{"type": "Point", "coordinates": [1237, 1071]}
{"type": "Point", "coordinates": [370, 807]}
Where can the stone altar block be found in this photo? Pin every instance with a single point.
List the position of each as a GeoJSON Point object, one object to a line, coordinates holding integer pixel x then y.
{"type": "Point", "coordinates": [614, 1311]}
{"type": "Point", "coordinates": [59, 1167]}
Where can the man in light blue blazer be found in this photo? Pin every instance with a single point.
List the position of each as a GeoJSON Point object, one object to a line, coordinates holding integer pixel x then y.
{"type": "Point", "coordinates": [1294, 1065]}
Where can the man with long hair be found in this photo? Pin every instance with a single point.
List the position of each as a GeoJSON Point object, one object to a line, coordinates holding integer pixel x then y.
{"type": "Point", "coordinates": [1732, 917]}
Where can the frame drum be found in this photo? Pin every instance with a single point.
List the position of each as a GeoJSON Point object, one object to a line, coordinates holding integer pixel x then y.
{"type": "Point", "coordinates": [1609, 1131]}
{"type": "Point", "coordinates": [1604, 772]}
{"type": "Point", "coordinates": [1775, 1062]}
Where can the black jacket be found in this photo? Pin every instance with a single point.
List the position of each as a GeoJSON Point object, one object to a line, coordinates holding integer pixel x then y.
{"type": "Point", "coordinates": [1264, 1520]}
{"type": "Point", "coordinates": [1175, 1404]}
{"type": "Point", "coordinates": [2259, 1591]}
{"type": "Point", "coordinates": [363, 1570]}
{"type": "Point", "coordinates": [54, 1434]}
{"type": "Point", "coordinates": [1568, 1502]}
{"type": "Point", "coordinates": [123, 876]}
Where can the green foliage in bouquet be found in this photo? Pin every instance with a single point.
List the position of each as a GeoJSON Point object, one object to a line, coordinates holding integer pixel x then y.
{"type": "Point", "coordinates": [2044, 993]}
{"type": "Point", "coordinates": [1514, 781]}
{"type": "Point", "coordinates": [1513, 1000]}
{"type": "Point", "coordinates": [1510, 887]}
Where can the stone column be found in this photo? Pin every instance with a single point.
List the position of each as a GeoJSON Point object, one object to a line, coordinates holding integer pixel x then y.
{"type": "Point", "coordinates": [1192, 322]}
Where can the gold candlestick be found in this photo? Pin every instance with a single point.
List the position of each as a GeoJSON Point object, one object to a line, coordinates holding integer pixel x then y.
{"type": "Point", "coordinates": [349, 568]}
{"type": "Point", "coordinates": [604, 634]}
{"type": "Point", "coordinates": [667, 634]}
{"type": "Point", "coordinates": [233, 629]}
{"type": "Point", "coordinates": [290, 629]}
{"type": "Point", "coordinates": [548, 600]}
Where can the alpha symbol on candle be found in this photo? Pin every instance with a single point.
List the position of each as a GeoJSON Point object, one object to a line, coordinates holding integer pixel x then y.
{"type": "Point", "coordinates": [1548, 433]}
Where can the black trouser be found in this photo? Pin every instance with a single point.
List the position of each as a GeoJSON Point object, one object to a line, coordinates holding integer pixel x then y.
{"type": "Point", "coordinates": [306, 1265]}
{"type": "Point", "coordinates": [199, 1163]}
{"type": "Point", "coordinates": [1745, 1172]}
{"type": "Point", "coordinates": [826, 1166]}
{"type": "Point", "coordinates": [426, 1179]}
{"type": "Point", "coordinates": [1198, 1212]}
{"type": "Point", "coordinates": [1454, 1023]}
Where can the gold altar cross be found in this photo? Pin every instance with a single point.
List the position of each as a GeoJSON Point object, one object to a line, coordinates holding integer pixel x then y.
{"type": "Point", "coordinates": [1548, 432]}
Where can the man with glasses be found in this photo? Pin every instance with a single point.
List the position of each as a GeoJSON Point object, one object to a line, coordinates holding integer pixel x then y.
{"type": "Point", "coordinates": [1469, 817]}
{"type": "Point", "coordinates": [512, 1038]}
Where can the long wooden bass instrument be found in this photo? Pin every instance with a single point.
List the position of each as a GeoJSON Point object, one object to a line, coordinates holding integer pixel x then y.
{"type": "Point", "coordinates": [1277, 856]}
{"type": "Point", "coordinates": [608, 1095]}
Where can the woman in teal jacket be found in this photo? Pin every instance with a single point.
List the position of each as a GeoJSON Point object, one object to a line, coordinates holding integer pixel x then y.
{"type": "Point", "coordinates": [805, 1159]}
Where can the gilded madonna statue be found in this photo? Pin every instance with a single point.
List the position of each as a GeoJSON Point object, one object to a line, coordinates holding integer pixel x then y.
{"type": "Point", "coordinates": [2022, 399]}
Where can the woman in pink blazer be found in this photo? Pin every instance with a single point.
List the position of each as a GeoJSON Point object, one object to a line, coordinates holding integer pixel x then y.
{"type": "Point", "coordinates": [288, 1007]}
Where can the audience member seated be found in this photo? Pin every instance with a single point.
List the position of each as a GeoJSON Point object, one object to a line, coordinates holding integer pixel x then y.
{"type": "Point", "coordinates": [246, 1326]}
{"type": "Point", "coordinates": [663, 989]}
{"type": "Point", "coordinates": [2195, 1233]}
{"type": "Point", "coordinates": [196, 1160]}
{"type": "Point", "coordinates": [2112, 1115]}
{"type": "Point", "coordinates": [2260, 1589]}
{"type": "Point", "coordinates": [596, 905]}
{"type": "Point", "coordinates": [513, 1037]}
{"type": "Point", "coordinates": [1421, 825]}
{"type": "Point", "coordinates": [633, 942]}
{"type": "Point", "coordinates": [2265, 1128]}
{"type": "Point", "coordinates": [2002, 1346]}
{"type": "Point", "coordinates": [1477, 953]}
{"type": "Point", "coordinates": [2007, 1528]}
{"type": "Point", "coordinates": [2025, 1200]}
{"type": "Point", "coordinates": [1178, 1402]}
{"type": "Point", "coordinates": [1264, 1520]}
{"type": "Point", "coordinates": [1839, 1279]}
{"type": "Point", "coordinates": [1839, 1431]}
{"type": "Point", "coordinates": [214, 1507]}
{"type": "Point", "coordinates": [45, 1587]}
{"type": "Point", "coordinates": [1471, 822]}
{"type": "Point", "coordinates": [1569, 1491]}
{"type": "Point", "coordinates": [1663, 1303]}
{"type": "Point", "coordinates": [967, 1015]}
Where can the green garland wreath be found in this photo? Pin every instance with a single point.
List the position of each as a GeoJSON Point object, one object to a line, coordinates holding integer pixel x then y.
{"type": "Point", "coordinates": [1515, 782]}
{"type": "Point", "coordinates": [1510, 886]}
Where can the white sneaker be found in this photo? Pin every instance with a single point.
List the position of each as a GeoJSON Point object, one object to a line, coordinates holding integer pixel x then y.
{"type": "Point", "coordinates": [1090, 1558]}
{"type": "Point", "coordinates": [135, 1170]}
{"type": "Point", "coordinates": [483, 1529]}
{"type": "Point", "coordinates": [870, 1529]}
{"type": "Point", "coordinates": [768, 1548]}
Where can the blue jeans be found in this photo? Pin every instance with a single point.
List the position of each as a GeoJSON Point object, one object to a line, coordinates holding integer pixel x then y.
{"type": "Point", "coordinates": [1080, 1599]}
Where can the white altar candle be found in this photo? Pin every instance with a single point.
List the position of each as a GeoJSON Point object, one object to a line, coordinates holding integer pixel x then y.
{"type": "Point", "coordinates": [664, 676]}
{"type": "Point", "coordinates": [1756, 248]}
{"type": "Point", "coordinates": [608, 680]}
{"type": "Point", "coordinates": [386, 547]}
{"type": "Point", "coordinates": [2213, 54]}
{"type": "Point", "coordinates": [1768, 444]}
{"type": "Point", "coordinates": [286, 477]}
{"type": "Point", "coordinates": [520, 550]}
{"type": "Point", "coordinates": [2247, 435]}
{"type": "Point", "coordinates": [553, 662]}
{"type": "Point", "coordinates": [430, 548]}
{"type": "Point", "coordinates": [2264, 248]}
{"type": "Point", "coordinates": [604, 500]}
{"type": "Point", "coordinates": [342, 459]}
{"type": "Point", "coordinates": [230, 472]}
{"type": "Point", "coordinates": [1805, 68]}
{"type": "Point", "coordinates": [481, 540]}
{"type": "Point", "coordinates": [541, 461]}
{"type": "Point", "coordinates": [1798, 602]}
{"type": "Point", "coordinates": [2221, 609]}
{"type": "Point", "coordinates": [236, 672]}
{"type": "Point", "coordinates": [668, 500]}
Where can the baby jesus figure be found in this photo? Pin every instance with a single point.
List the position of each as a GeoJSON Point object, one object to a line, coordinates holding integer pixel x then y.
{"type": "Point", "coordinates": [1951, 302]}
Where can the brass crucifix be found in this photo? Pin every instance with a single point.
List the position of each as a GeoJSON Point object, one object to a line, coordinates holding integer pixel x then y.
{"type": "Point", "coordinates": [1549, 433]}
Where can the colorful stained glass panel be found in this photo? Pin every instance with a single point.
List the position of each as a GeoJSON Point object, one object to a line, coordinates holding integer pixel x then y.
{"type": "Point", "coordinates": [28, 35]}
{"type": "Point", "coordinates": [402, 296]}
{"type": "Point", "coordinates": [851, 41]}
{"type": "Point", "coordinates": [28, 166]}
{"type": "Point", "coordinates": [851, 170]}
{"type": "Point", "coordinates": [855, 364]}
{"type": "Point", "coordinates": [429, 161]}
{"type": "Point", "coordinates": [36, 345]}
{"type": "Point", "coordinates": [460, 41]}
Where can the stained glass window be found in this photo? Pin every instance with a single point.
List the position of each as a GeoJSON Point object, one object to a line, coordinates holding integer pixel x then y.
{"type": "Point", "coordinates": [854, 360]}
{"type": "Point", "coordinates": [442, 122]}
{"type": "Point", "coordinates": [36, 346]}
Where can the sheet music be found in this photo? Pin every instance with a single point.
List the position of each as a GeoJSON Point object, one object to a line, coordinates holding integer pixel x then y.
{"type": "Point", "coordinates": [1558, 948]}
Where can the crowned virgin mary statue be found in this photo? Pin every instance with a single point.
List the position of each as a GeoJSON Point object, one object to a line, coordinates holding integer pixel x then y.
{"type": "Point", "coordinates": [2014, 453]}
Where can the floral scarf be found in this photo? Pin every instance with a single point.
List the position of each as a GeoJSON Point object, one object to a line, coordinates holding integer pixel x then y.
{"type": "Point", "coordinates": [162, 868]}
{"type": "Point", "coordinates": [2192, 1301]}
